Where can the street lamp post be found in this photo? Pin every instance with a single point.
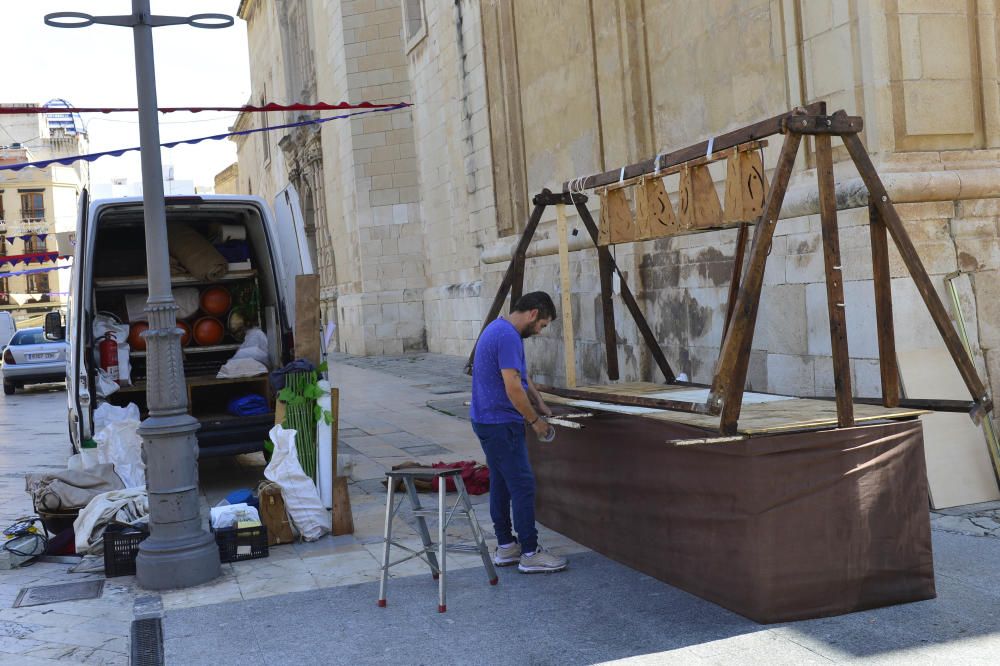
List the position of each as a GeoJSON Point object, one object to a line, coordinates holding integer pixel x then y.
{"type": "Point", "coordinates": [178, 552]}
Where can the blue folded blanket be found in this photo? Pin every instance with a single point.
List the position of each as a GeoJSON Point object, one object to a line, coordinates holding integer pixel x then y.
{"type": "Point", "coordinates": [248, 405]}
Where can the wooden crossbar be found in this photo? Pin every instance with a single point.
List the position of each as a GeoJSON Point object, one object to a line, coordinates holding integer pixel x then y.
{"type": "Point", "coordinates": [726, 395]}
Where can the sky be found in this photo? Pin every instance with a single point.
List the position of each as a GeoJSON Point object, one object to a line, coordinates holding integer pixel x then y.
{"type": "Point", "coordinates": [95, 66]}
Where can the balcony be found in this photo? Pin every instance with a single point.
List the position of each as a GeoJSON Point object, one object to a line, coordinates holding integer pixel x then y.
{"type": "Point", "coordinates": [32, 222]}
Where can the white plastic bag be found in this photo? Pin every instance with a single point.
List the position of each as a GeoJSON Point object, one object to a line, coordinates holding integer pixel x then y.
{"type": "Point", "coordinates": [105, 384]}
{"type": "Point", "coordinates": [301, 499]}
{"type": "Point", "coordinates": [107, 413]}
{"type": "Point", "coordinates": [241, 367]}
{"type": "Point", "coordinates": [118, 442]}
{"type": "Point", "coordinates": [254, 346]}
{"type": "Point", "coordinates": [230, 514]}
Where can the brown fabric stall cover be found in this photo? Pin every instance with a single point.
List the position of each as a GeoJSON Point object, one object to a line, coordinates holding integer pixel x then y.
{"type": "Point", "coordinates": [775, 528]}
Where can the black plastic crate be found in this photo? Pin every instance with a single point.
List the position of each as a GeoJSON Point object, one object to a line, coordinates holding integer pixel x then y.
{"type": "Point", "coordinates": [121, 546]}
{"type": "Point", "coordinates": [241, 543]}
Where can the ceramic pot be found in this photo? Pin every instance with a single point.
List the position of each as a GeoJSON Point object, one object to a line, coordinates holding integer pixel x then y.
{"type": "Point", "coordinates": [208, 331]}
{"type": "Point", "coordinates": [216, 301]}
{"type": "Point", "coordinates": [186, 335]}
{"type": "Point", "coordinates": [135, 339]}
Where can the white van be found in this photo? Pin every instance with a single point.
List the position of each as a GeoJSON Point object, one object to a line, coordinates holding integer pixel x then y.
{"type": "Point", "coordinates": [109, 281]}
{"type": "Point", "coordinates": [7, 328]}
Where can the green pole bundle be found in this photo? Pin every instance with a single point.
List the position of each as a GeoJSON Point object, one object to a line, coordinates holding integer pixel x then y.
{"type": "Point", "coordinates": [300, 416]}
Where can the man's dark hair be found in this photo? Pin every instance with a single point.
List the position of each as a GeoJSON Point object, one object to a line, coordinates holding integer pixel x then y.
{"type": "Point", "coordinates": [536, 300]}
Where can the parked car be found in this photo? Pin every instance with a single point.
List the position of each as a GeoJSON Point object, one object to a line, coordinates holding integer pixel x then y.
{"type": "Point", "coordinates": [30, 358]}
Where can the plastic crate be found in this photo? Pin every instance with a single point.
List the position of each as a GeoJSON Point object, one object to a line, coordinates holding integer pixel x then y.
{"type": "Point", "coordinates": [121, 546]}
{"type": "Point", "coordinates": [241, 543]}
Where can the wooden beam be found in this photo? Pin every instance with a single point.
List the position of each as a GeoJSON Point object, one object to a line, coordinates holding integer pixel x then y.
{"type": "Point", "coordinates": [517, 279]}
{"type": "Point", "coordinates": [606, 271]}
{"type": "Point", "coordinates": [307, 327]}
{"type": "Point", "coordinates": [343, 517]}
{"type": "Point", "coordinates": [734, 283]}
{"type": "Point", "coordinates": [508, 279]}
{"type": "Point", "coordinates": [760, 130]}
{"type": "Point", "coordinates": [734, 359]}
{"type": "Point", "coordinates": [881, 279]}
{"type": "Point", "coordinates": [549, 198]}
{"type": "Point", "coordinates": [626, 400]}
{"type": "Point", "coordinates": [834, 281]}
{"type": "Point", "coordinates": [839, 123]}
{"type": "Point", "coordinates": [880, 198]}
{"type": "Point", "coordinates": [628, 299]}
{"type": "Point", "coordinates": [569, 350]}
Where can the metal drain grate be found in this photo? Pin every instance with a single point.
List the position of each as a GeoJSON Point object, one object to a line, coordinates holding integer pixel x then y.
{"type": "Point", "coordinates": [147, 642]}
{"type": "Point", "coordinates": [53, 594]}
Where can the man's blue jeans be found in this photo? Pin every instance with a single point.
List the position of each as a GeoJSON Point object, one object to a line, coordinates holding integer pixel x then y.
{"type": "Point", "coordinates": [512, 482]}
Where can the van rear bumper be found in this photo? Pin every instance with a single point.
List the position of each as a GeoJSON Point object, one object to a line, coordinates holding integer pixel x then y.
{"type": "Point", "coordinates": [228, 437]}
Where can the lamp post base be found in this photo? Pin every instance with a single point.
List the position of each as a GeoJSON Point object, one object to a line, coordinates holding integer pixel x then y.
{"type": "Point", "coordinates": [174, 564]}
{"type": "Point", "coordinates": [178, 552]}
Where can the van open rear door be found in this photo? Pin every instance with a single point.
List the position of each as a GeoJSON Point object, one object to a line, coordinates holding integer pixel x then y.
{"type": "Point", "coordinates": [78, 390]}
{"type": "Point", "coordinates": [293, 248]}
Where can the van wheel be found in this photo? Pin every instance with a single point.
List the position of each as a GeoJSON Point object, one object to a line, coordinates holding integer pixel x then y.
{"type": "Point", "coordinates": [8, 388]}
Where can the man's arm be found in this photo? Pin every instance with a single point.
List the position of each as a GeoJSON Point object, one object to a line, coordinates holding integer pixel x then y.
{"type": "Point", "coordinates": [536, 399]}
{"type": "Point", "coordinates": [518, 398]}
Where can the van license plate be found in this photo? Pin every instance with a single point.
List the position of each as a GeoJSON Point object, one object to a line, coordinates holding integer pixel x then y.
{"type": "Point", "coordinates": [47, 356]}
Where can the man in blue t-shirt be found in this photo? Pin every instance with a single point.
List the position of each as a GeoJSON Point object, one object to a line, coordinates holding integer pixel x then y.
{"type": "Point", "coordinates": [503, 400]}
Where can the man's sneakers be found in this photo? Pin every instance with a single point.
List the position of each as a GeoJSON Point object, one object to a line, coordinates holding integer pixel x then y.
{"type": "Point", "coordinates": [509, 555]}
{"type": "Point", "coordinates": [540, 561]}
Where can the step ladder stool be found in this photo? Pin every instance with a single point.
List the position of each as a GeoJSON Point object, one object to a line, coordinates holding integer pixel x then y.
{"type": "Point", "coordinates": [434, 553]}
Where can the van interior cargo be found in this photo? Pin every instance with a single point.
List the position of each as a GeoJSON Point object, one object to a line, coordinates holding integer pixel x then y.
{"type": "Point", "coordinates": [225, 283]}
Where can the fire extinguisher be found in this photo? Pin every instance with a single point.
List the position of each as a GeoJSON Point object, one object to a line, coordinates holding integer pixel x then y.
{"type": "Point", "coordinates": [109, 355]}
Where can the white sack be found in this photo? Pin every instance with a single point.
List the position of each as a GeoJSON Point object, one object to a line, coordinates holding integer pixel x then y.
{"type": "Point", "coordinates": [254, 346]}
{"type": "Point", "coordinates": [230, 514]}
{"type": "Point", "coordinates": [301, 499]}
{"type": "Point", "coordinates": [107, 413]}
{"type": "Point", "coordinates": [118, 442]}
{"type": "Point", "coordinates": [187, 299]}
{"type": "Point", "coordinates": [123, 506]}
{"type": "Point", "coordinates": [241, 367]}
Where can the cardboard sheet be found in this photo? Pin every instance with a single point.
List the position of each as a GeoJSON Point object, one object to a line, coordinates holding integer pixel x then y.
{"type": "Point", "coordinates": [959, 470]}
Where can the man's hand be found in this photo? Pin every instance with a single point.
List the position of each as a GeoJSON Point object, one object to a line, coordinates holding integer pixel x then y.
{"type": "Point", "coordinates": [541, 427]}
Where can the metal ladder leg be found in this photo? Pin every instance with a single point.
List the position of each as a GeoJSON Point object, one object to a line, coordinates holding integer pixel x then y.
{"type": "Point", "coordinates": [477, 532]}
{"type": "Point", "coordinates": [442, 546]}
{"type": "Point", "coordinates": [425, 534]}
{"type": "Point", "coordinates": [387, 535]}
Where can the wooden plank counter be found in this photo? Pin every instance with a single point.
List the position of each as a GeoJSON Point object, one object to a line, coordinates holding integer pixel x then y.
{"type": "Point", "coordinates": [761, 413]}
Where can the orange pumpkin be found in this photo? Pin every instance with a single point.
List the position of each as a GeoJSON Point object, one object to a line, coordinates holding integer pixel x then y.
{"type": "Point", "coordinates": [208, 331]}
{"type": "Point", "coordinates": [216, 300]}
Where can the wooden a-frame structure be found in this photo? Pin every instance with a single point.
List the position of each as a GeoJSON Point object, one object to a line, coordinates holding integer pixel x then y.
{"type": "Point", "coordinates": [726, 396]}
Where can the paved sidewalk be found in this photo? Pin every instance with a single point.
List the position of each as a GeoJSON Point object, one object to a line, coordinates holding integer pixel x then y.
{"type": "Point", "coordinates": [596, 611]}
{"type": "Point", "coordinates": [318, 598]}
